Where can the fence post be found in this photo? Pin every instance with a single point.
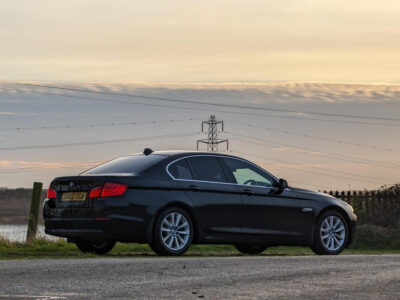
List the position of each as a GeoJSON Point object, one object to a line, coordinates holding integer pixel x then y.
{"type": "Point", "coordinates": [379, 200]}
{"type": "Point", "coordinates": [349, 200]}
{"type": "Point", "coordinates": [373, 203]}
{"type": "Point", "coordinates": [360, 201]}
{"type": "Point", "coordinates": [34, 212]}
{"type": "Point", "coordinates": [384, 200]}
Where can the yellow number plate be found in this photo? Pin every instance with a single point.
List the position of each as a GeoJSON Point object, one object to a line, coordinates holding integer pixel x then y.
{"type": "Point", "coordinates": [74, 196]}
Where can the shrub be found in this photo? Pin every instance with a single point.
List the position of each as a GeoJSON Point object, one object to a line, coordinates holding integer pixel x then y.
{"type": "Point", "coordinates": [373, 236]}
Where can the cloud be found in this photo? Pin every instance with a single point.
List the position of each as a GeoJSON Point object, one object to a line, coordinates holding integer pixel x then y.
{"type": "Point", "coordinates": [257, 93]}
{"type": "Point", "coordinates": [7, 113]}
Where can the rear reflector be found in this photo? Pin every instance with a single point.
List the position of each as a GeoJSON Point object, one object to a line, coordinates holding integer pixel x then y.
{"type": "Point", "coordinates": [51, 194]}
{"type": "Point", "coordinates": [95, 192]}
{"type": "Point", "coordinates": [113, 189]}
{"type": "Point", "coordinates": [102, 219]}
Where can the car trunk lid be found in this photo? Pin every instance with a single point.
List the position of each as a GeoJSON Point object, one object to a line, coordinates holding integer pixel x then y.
{"type": "Point", "coordinates": [73, 191]}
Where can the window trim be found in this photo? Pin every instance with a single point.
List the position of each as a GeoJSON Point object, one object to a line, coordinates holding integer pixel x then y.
{"type": "Point", "coordinates": [223, 165]}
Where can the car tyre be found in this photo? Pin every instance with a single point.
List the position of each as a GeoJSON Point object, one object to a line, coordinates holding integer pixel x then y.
{"type": "Point", "coordinates": [173, 232]}
{"type": "Point", "coordinates": [331, 234]}
{"type": "Point", "coordinates": [99, 248]}
{"type": "Point", "coordinates": [84, 246]}
{"type": "Point", "coordinates": [250, 249]}
{"type": "Point", "coordinates": [103, 247]}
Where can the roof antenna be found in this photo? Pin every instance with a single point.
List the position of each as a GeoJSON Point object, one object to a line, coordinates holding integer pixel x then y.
{"type": "Point", "coordinates": [147, 151]}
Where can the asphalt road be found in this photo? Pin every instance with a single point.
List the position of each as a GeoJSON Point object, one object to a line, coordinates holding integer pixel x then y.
{"type": "Point", "coordinates": [262, 277]}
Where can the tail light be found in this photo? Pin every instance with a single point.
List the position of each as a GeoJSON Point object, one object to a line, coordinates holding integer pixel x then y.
{"type": "Point", "coordinates": [108, 190]}
{"type": "Point", "coordinates": [95, 192]}
{"type": "Point", "coordinates": [51, 194]}
{"type": "Point", "coordinates": [113, 189]}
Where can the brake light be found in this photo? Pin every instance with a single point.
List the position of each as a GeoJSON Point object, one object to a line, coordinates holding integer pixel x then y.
{"type": "Point", "coordinates": [95, 192]}
{"type": "Point", "coordinates": [113, 189]}
{"type": "Point", "coordinates": [51, 194]}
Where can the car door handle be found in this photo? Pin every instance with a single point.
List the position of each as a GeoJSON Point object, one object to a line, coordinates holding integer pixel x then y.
{"type": "Point", "coordinates": [248, 192]}
{"type": "Point", "coordinates": [194, 188]}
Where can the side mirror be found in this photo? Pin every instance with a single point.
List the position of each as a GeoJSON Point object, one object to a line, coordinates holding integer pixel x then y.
{"type": "Point", "coordinates": [283, 184]}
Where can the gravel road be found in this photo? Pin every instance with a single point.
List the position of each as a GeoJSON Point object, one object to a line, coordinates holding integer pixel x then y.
{"type": "Point", "coordinates": [261, 277]}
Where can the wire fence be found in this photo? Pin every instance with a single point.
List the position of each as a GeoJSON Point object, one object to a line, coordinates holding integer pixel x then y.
{"type": "Point", "coordinates": [381, 208]}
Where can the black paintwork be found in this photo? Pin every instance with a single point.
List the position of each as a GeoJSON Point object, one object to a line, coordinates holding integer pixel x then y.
{"type": "Point", "coordinates": [221, 213]}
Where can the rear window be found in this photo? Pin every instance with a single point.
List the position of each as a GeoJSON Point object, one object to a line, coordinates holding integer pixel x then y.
{"type": "Point", "coordinates": [180, 170]}
{"type": "Point", "coordinates": [133, 164]}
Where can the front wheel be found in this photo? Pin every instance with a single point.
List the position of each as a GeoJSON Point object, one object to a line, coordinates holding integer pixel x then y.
{"type": "Point", "coordinates": [100, 248]}
{"type": "Point", "coordinates": [173, 232]}
{"type": "Point", "coordinates": [250, 249]}
{"type": "Point", "coordinates": [331, 234]}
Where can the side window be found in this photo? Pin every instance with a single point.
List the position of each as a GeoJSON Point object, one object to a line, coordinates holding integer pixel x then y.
{"type": "Point", "coordinates": [180, 170]}
{"type": "Point", "coordinates": [207, 168]}
{"type": "Point", "coordinates": [247, 174]}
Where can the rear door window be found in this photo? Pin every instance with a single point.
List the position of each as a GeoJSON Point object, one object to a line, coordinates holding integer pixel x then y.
{"type": "Point", "coordinates": [207, 168]}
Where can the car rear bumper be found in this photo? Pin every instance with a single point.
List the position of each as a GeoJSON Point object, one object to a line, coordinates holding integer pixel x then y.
{"type": "Point", "coordinates": [114, 228]}
{"type": "Point", "coordinates": [116, 219]}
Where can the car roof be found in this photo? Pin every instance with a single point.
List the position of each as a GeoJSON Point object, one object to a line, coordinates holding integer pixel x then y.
{"type": "Point", "coordinates": [182, 153]}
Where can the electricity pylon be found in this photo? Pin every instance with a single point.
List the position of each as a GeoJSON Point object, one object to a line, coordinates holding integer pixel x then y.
{"type": "Point", "coordinates": [212, 140]}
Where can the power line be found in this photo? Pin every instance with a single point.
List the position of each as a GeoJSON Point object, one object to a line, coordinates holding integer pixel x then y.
{"type": "Point", "coordinates": [304, 171]}
{"type": "Point", "coordinates": [336, 171]}
{"type": "Point", "coordinates": [34, 169]}
{"type": "Point", "coordinates": [208, 103]}
{"type": "Point", "coordinates": [215, 110]}
{"type": "Point", "coordinates": [74, 144]}
{"type": "Point", "coordinates": [42, 127]}
{"type": "Point", "coordinates": [312, 185]}
{"type": "Point", "coordinates": [316, 137]}
{"type": "Point", "coordinates": [297, 182]}
{"type": "Point", "coordinates": [307, 151]}
{"type": "Point", "coordinates": [44, 166]}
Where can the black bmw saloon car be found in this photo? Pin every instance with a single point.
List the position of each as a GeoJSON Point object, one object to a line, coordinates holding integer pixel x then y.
{"type": "Point", "coordinates": [172, 199]}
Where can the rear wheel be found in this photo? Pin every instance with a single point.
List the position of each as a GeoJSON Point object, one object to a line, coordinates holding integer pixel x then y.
{"type": "Point", "coordinates": [173, 232]}
{"type": "Point", "coordinates": [250, 249]}
{"type": "Point", "coordinates": [103, 247]}
{"type": "Point", "coordinates": [100, 248]}
{"type": "Point", "coordinates": [84, 246]}
{"type": "Point", "coordinates": [331, 234]}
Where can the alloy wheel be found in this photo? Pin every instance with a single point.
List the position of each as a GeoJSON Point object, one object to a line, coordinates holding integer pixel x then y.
{"type": "Point", "coordinates": [332, 233]}
{"type": "Point", "coordinates": [175, 231]}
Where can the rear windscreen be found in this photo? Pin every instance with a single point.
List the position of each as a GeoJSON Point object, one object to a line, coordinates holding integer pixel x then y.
{"type": "Point", "coordinates": [134, 164]}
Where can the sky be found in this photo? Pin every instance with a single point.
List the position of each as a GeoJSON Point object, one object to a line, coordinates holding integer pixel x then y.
{"type": "Point", "coordinates": [337, 57]}
{"type": "Point", "coordinates": [200, 41]}
{"type": "Point", "coordinates": [47, 132]}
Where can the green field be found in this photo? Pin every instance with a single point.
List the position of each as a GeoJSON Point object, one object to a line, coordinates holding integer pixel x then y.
{"type": "Point", "coordinates": [62, 249]}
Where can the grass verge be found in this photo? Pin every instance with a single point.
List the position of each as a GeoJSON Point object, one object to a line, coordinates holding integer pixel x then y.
{"type": "Point", "coordinates": [62, 249]}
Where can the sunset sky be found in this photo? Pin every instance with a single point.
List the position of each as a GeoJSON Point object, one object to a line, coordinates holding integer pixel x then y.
{"type": "Point", "coordinates": [338, 57]}
{"type": "Point", "coordinates": [207, 41]}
